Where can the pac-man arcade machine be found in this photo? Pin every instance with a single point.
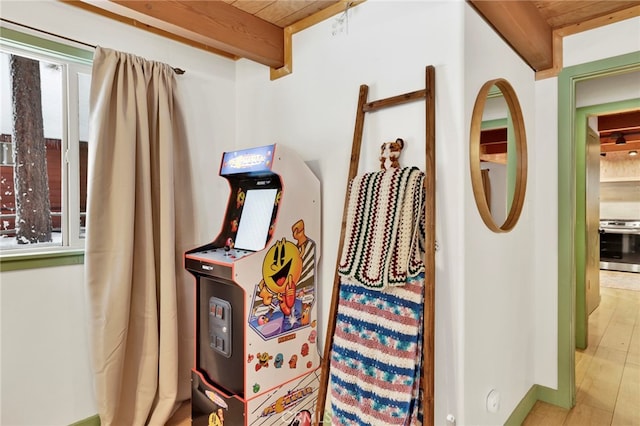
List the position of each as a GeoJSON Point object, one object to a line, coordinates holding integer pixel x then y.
{"type": "Point", "coordinates": [256, 356]}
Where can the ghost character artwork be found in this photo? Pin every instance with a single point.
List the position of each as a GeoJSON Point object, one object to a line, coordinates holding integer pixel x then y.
{"type": "Point", "coordinates": [286, 292]}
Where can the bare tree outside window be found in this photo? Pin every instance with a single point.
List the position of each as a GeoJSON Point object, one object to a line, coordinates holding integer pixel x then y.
{"type": "Point", "coordinates": [44, 132]}
{"type": "Point", "coordinates": [33, 211]}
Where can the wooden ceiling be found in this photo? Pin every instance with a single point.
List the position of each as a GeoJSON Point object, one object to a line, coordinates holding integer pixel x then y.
{"type": "Point", "coordinates": [534, 29]}
{"type": "Point", "coordinates": [619, 132]}
{"type": "Point", "coordinates": [261, 30]}
{"type": "Point", "coordinates": [281, 13]}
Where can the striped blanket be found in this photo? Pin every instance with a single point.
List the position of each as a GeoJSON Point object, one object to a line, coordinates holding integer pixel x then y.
{"type": "Point", "coordinates": [384, 216]}
{"type": "Point", "coordinates": [376, 356]}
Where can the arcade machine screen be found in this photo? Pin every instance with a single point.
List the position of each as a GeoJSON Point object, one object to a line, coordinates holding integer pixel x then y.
{"type": "Point", "coordinates": [253, 229]}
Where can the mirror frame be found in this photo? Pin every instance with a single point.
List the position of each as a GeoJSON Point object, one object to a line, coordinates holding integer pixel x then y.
{"type": "Point", "coordinates": [521, 155]}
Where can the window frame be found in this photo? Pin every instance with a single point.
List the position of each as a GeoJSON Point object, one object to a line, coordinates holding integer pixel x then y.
{"type": "Point", "coordinates": [74, 61]}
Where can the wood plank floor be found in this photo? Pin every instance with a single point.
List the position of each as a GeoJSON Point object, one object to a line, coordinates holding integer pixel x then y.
{"type": "Point", "coordinates": [608, 371]}
{"type": "Point", "coordinates": [182, 417]}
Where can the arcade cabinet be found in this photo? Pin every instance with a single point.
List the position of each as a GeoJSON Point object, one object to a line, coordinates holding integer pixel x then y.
{"type": "Point", "coordinates": [256, 355]}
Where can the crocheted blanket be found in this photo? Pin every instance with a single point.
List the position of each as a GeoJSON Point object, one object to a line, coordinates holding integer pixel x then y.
{"type": "Point", "coordinates": [376, 357]}
{"type": "Point", "coordinates": [384, 217]}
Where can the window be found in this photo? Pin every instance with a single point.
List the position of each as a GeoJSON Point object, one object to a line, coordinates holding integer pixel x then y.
{"type": "Point", "coordinates": [44, 114]}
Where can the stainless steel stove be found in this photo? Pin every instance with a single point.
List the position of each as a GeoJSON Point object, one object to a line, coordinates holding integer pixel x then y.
{"type": "Point", "coordinates": [620, 245]}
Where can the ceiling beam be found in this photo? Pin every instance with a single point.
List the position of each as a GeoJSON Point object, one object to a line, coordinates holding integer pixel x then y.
{"type": "Point", "coordinates": [521, 25]}
{"type": "Point", "coordinates": [619, 122]}
{"type": "Point", "coordinates": [494, 148]}
{"type": "Point", "coordinates": [612, 147]}
{"type": "Point", "coordinates": [212, 23]}
{"type": "Point", "coordinates": [488, 136]}
{"type": "Point", "coordinates": [341, 6]}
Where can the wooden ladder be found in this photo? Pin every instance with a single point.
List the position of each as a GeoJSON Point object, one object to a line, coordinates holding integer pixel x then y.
{"type": "Point", "coordinates": [428, 94]}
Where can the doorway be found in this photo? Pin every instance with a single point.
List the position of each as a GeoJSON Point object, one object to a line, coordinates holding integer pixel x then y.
{"type": "Point", "coordinates": [565, 393]}
{"type": "Point", "coordinates": [588, 157]}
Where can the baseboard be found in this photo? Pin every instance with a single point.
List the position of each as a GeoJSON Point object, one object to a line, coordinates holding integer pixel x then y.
{"type": "Point", "coordinates": [555, 397]}
{"type": "Point", "coordinates": [89, 421]}
{"type": "Point", "coordinates": [523, 408]}
{"type": "Point", "coordinates": [516, 418]}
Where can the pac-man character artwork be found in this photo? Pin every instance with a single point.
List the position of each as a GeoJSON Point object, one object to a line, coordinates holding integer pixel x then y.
{"type": "Point", "coordinates": [287, 290]}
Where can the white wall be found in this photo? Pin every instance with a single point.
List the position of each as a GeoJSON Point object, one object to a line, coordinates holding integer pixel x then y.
{"type": "Point", "coordinates": [485, 321]}
{"type": "Point", "coordinates": [498, 185]}
{"type": "Point", "coordinates": [45, 348]}
{"type": "Point", "coordinates": [45, 370]}
{"type": "Point", "coordinates": [495, 293]}
{"type": "Point", "coordinates": [499, 326]}
{"type": "Point", "coordinates": [543, 188]}
{"type": "Point", "coordinates": [387, 47]}
{"type": "Point", "coordinates": [602, 90]}
{"type": "Point", "coordinates": [604, 42]}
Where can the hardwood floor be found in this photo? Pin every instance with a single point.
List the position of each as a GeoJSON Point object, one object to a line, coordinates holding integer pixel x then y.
{"type": "Point", "coordinates": [182, 417]}
{"type": "Point", "coordinates": [608, 371]}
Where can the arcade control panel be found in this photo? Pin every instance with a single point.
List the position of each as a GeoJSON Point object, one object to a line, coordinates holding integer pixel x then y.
{"type": "Point", "coordinates": [222, 255]}
{"type": "Point", "coordinates": [216, 262]}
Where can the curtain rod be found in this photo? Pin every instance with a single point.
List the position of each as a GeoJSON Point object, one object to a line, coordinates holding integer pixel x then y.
{"type": "Point", "coordinates": [178, 71]}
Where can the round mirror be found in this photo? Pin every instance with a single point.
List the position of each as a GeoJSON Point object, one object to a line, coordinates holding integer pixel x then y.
{"type": "Point", "coordinates": [498, 155]}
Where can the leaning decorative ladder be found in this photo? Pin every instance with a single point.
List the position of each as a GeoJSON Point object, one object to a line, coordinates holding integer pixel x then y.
{"type": "Point", "coordinates": [428, 94]}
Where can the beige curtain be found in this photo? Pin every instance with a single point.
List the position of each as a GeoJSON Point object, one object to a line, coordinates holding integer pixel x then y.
{"type": "Point", "coordinates": [140, 298]}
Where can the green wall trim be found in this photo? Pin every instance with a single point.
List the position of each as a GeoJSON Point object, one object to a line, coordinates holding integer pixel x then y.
{"type": "Point", "coordinates": [89, 421]}
{"type": "Point", "coordinates": [581, 123]}
{"type": "Point", "coordinates": [523, 409]}
{"type": "Point", "coordinates": [16, 262]}
{"type": "Point", "coordinates": [554, 397]}
{"type": "Point", "coordinates": [37, 44]}
{"type": "Point", "coordinates": [564, 396]}
{"type": "Point", "coordinates": [497, 123]}
{"type": "Point", "coordinates": [535, 394]}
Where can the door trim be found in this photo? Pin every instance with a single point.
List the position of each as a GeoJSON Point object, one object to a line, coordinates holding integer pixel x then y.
{"type": "Point", "coordinates": [565, 393]}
